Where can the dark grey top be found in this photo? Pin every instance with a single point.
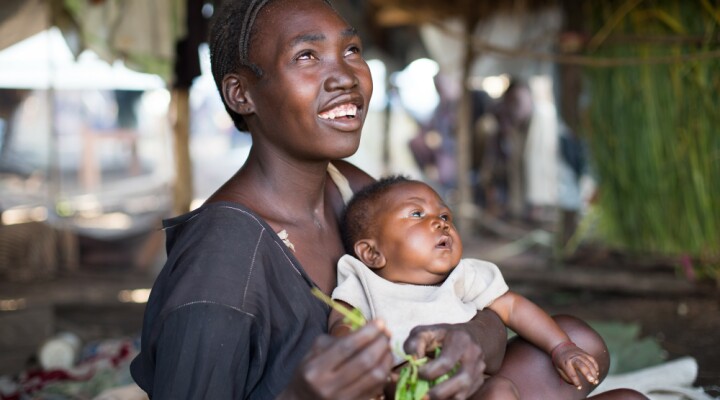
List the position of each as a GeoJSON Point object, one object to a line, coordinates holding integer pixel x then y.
{"type": "Point", "coordinates": [230, 315]}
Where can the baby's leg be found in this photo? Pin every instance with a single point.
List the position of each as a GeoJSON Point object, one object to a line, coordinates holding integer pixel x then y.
{"type": "Point", "coordinates": [497, 388]}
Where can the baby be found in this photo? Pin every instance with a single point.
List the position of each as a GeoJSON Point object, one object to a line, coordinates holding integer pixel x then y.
{"type": "Point", "coordinates": [408, 270]}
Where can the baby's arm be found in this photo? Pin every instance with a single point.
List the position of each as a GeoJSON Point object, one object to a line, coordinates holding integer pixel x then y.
{"type": "Point", "coordinates": [536, 326]}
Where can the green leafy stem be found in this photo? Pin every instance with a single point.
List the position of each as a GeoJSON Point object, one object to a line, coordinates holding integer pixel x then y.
{"type": "Point", "coordinates": [410, 386]}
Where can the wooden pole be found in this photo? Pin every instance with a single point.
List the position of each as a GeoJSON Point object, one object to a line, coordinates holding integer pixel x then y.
{"type": "Point", "coordinates": [466, 210]}
{"type": "Point", "coordinates": [183, 187]}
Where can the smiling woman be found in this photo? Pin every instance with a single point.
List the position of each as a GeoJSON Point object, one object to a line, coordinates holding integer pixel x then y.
{"type": "Point", "coordinates": [223, 316]}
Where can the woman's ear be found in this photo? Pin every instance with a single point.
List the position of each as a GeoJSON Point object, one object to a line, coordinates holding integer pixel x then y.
{"type": "Point", "coordinates": [236, 94]}
{"type": "Point", "coordinates": [368, 253]}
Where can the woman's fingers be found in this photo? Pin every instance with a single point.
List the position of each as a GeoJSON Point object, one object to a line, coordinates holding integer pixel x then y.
{"type": "Point", "coordinates": [422, 340]}
{"type": "Point", "coordinates": [334, 352]}
{"type": "Point", "coordinates": [459, 386]}
{"type": "Point", "coordinates": [460, 357]}
{"type": "Point", "coordinates": [368, 374]}
{"type": "Point", "coordinates": [355, 366]}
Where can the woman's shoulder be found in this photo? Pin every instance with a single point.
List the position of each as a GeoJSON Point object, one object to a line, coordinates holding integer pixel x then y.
{"type": "Point", "coordinates": [219, 236]}
{"type": "Point", "coordinates": [218, 221]}
{"type": "Point", "coordinates": [355, 176]}
{"type": "Point", "coordinates": [219, 249]}
{"type": "Point", "coordinates": [210, 213]}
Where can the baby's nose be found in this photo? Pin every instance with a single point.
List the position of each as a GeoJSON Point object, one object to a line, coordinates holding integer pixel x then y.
{"type": "Point", "coordinates": [440, 223]}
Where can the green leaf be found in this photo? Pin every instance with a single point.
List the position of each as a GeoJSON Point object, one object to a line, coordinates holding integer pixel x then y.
{"type": "Point", "coordinates": [401, 391]}
{"type": "Point", "coordinates": [421, 388]}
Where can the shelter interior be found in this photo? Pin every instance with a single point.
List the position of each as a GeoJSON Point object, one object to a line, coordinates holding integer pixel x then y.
{"type": "Point", "coordinates": [100, 141]}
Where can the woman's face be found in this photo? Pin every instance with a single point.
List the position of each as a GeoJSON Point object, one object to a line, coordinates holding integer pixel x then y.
{"type": "Point", "coordinates": [312, 98]}
{"type": "Point", "coordinates": [416, 235]}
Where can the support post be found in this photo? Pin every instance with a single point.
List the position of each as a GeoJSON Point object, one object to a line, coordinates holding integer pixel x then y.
{"type": "Point", "coordinates": [183, 187]}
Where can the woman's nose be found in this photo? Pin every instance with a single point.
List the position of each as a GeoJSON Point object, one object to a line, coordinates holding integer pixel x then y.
{"type": "Point", "coordinates": [342, 77]}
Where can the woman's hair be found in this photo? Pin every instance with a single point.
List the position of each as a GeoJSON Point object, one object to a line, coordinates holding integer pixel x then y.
{"type": "Point", "coordinates": [359, 216]}
{"type": "Point", "coordinates": [230, 35]}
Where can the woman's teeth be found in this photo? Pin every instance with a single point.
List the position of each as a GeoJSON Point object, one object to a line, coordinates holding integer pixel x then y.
{"type": "Point", "coordinates": [347, 110]}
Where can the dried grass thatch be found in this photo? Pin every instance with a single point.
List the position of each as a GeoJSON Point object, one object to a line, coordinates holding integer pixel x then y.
{"type": "Point", "coordinates": [416, 12]}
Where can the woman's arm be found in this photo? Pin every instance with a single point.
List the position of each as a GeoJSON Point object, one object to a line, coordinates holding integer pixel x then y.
{"type": "Point", "coordinates": [197, 352]}
{"type": "Point", "coordinates": [355, 176]}
{"type": "Point", "coordinates": [477, 345]}
{"type": "Point", "coordinates": [488, 331]}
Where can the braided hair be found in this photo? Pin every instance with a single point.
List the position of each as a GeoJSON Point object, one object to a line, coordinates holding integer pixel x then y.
{"type": "Point", "coordinates": [359, 215]}
{"type": "Point", "coordinates": [230, 36]}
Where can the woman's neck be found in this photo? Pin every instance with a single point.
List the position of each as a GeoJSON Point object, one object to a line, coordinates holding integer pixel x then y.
{"type": "Point", "coordinates": [279, 189]}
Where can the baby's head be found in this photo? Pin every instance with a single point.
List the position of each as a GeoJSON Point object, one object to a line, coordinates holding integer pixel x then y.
{"type": "Point", "coordinates": [403, 230]}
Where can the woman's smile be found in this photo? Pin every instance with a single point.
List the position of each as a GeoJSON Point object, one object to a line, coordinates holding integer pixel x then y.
{"type": "Point", "coordinates": [344, 110]}
{"type": "Point", "coordinates": [345, 115]}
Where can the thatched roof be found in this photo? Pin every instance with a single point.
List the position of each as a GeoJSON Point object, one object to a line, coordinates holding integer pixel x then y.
{"type": "Point", "coordinates": [413, 12]}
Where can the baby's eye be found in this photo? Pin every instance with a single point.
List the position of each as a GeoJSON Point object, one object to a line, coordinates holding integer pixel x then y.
{"type": "Point", "coordinates": [445, 217]}
{"type": "Point", "coordinates": [416, 214]}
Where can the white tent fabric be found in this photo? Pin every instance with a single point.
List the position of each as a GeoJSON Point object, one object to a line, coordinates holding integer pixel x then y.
{"type": "Point", "coordinates": [143, 33]}
{"type": "Point", "coordinates": [672, 380]}
{"type": "Point", "coordinates": [518, 30]}
{"type": "Point", "coordinates": [140, 32]}
{"type": "Point", "coordinates": [45, 61]}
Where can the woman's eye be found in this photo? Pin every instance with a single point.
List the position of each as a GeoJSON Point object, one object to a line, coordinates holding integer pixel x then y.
{"type": "Point", "coordinates": [306, 55]}
{"type": "Point", "coordinates": [352, 50]}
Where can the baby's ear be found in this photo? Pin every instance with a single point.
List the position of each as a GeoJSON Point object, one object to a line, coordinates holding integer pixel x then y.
{"type": "Point", "coordinates": [368, 253]}
{"type": "Point", "coordinates": [236, 94]}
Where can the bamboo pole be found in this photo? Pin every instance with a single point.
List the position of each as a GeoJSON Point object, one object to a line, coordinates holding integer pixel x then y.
{"type": "Point", "coordinates": [183, 187]}
{"type": "Point", "coordinates": [467, 211]}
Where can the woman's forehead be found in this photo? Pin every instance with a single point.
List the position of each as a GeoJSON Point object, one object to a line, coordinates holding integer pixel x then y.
{"type": "Point", "coordinates": [288, 19]}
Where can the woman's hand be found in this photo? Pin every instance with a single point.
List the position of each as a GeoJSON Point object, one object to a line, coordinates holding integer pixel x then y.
{"type": "Point", "coordinates": [356, 366]}
{"type": "Point", "coordinates": [457, 348]}
{"type": "Point", "coordinates": [477, 345]}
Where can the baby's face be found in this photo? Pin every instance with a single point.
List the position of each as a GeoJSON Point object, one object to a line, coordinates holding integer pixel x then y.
{"type": "Point", "coordinates": [416, 234]}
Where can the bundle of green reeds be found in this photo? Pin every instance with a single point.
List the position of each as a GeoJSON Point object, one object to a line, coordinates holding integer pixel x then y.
{"type": "Point", "coordinates": [653, 126]}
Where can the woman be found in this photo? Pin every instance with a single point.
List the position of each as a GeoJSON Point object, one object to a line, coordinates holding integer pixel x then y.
{"type": "Point", "coordinates": [231, 314]}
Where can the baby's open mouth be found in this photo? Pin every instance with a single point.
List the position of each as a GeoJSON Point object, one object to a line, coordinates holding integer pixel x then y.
{"type": "Point", "coordinates": [341, 111]}
{"type": "Point", "coordinates": [444, 242]}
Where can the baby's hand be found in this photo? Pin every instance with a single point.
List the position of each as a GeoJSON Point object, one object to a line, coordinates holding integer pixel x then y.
{"type": "Point", "coordinates": [568, 358]}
